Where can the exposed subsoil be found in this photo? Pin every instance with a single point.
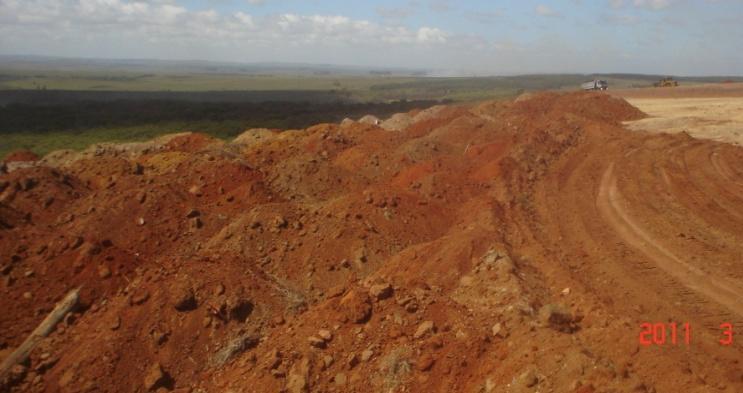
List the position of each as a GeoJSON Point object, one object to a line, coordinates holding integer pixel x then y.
{"type": "Point", "coordinates": [500, 247]}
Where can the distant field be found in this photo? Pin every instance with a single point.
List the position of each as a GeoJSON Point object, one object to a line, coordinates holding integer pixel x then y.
{"type": "Point", "coordinates": [351, 87]}
{"type": "Point", "coordinates": [43, 108]}
{"type": "Point", "coordinates": [125, 81]}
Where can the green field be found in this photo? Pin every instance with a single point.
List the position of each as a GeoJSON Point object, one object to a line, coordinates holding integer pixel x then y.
{"type": "Point", "coordinates": [43, 143]}
{"type": "Point", "coordinates": [356, 87]}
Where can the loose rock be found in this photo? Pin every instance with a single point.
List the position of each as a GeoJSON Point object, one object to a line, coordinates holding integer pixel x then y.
{"type": "Point", "coordinates": [380, 291]}
{"type": "Point", "coordinates": [155, 378]}
{"type": "Point", "coordinates": [356, 306]}
{"type": "Point", "coordinates": [424, 329]}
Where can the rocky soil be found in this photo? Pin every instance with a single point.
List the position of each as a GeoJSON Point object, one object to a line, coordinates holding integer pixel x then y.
{"type": "Point", "coordinates": [498, 247]}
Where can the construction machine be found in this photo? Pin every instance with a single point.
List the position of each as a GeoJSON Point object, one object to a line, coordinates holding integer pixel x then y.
{"type": "Point", "coordinates": [666, 82]}
{"type": "Point", "coordinates": [595, 85]}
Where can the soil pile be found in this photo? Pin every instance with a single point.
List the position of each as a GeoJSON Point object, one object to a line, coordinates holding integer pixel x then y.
{"type": "Point", "coordinates": [20, 155]}
{"type": "Point", "coordinates": [502, 247]}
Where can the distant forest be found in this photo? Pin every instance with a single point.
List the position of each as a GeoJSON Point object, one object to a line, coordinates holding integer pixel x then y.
{"type": "Point", "coordinates": [75, 115]}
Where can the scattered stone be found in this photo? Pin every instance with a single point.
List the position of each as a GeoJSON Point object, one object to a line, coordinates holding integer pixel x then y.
{"type": "Point", "coordinates": [116, 324]}
{"type": "Point", "coordinates": [155, 378]}
{"type": "Point", "coordinates": [340, 379]}
{"type": "Point", "coordinates": [336, 291]}
{"type": "Point", "coordinates": [360, 256]}
{"type": "Point", "coordinates": [410, 303]}
{"type": "Point", "coordinates": [195, 223]}
{"type": "Point", "coordinates": [46, 363]}
{"type": "Point", "coordinates": [160, 337]}
{"type": "Point", "coordinates": [353, 361]}
{"type": "Point", "coordinates": [380, 291]}
{"type": "Point", "coordinates": [65, 218]}
{"type": "Point", "coordinates": [325, 334]}
{"type": "Point", "coordinates": [140, 221]}
{"type": "Point", "coordinates": [273, 359]}
{"type": "Point", "coordinates": [141, 197]}
{"type": "Point", "coordinates": [279, 222]}
{"type": "Point", "coordinates": [195, 190]}
{"type": "Point", "coordinates": [499, 330]}
{"type": "Point", "coordinates": [279, 372]}
{"type": "Point", "coordinates": [89, 249]}
{"type": "Point", "coordinates": [140, 296]}
{"type": "Point", "coordinates": [528, 378]}
{"type": "Point", "coordinates": [356, 306]}
{"type": "Point", "coordinates": [67, 378]}
{"type": "Point", "coordinates": [367, 354]}
{"type": "Point", "coordinates": [77, 242]}
{"type": "Point", "coordinates": [184, 298]}
{"type": "Point", "coordinates": [104, 272]}
{"type": "Point", "coordinates": [316, 342]}
{"type": "Point", "coordinates": [425, 362]}
{"type": "Point", "coordinates": [192, 213]}
{"type": "Point", "coordinates": [298, 379]}
{"type": "Point", "coordinates": [327, 361]}
{"type": "Point", "coordinates": [28, 295]}
{"type": "Point", "coordinates": [565, 292]}
{"type": "Point", "coordinates": [424, 329]}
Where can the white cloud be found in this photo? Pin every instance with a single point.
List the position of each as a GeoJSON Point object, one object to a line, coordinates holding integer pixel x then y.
{"type": "Point", "coordinates": [543, 10]}
{"type": "Point", "coordinates": [653, 4]}
{"type": "Point", "coordinates": [649, 4]}
{"type": "Point", "coordinates": [105, 22]}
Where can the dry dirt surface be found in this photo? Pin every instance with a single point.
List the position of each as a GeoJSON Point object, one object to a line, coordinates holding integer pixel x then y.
{"type": "Point", "coordinates": [704, 111]}
{"type": "Point", "coordinates": [500, 247]}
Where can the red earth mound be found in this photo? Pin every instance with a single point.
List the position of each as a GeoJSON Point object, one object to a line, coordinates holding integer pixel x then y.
{"type": "Point", "coordinates": [20, 155]}
{"type": "Point", "coordinates": [502, 247]}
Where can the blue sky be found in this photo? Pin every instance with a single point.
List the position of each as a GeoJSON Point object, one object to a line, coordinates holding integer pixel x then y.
{"type": "Point", "coordinates": [688, 37]}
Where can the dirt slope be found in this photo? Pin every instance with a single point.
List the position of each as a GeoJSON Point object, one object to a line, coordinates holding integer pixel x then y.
{"type": "Point", "coordinates": [502, 247]}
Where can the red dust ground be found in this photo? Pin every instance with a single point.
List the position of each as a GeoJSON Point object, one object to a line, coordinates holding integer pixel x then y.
{"type": "Point", "coordinates": [499, 247]}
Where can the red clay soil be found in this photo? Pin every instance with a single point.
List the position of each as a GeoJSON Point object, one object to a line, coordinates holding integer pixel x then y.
{"type": "Point", "coordinates": [20, 155]}
{"type": "Point", "coordinates": [503, 247]}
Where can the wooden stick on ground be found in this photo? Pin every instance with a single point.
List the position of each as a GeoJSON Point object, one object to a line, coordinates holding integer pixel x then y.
{"type": "Point", "coordinates": [24, 350]}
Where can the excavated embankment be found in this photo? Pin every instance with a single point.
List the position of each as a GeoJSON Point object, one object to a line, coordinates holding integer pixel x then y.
{"type": "Point", "coordinates": [500, 247]}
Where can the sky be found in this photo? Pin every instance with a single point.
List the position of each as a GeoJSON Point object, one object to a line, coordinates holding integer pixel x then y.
{"type": "Point", "coordinates": [477, 37]}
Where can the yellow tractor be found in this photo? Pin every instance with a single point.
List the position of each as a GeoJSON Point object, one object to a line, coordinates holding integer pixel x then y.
{"type": "Point", "coordinates": [666, 82]}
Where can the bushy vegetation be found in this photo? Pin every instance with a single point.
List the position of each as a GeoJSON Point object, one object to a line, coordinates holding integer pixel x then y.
{"type": "Point", "coordinates": [76, 125]}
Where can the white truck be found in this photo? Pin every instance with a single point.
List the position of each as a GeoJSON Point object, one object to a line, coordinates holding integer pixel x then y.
{"type": "Point", "coordinates": [596, 84]}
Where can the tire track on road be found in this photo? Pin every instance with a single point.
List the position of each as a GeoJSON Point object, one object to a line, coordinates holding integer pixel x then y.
{"type": "Point", "coordinates": [719, 289]}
